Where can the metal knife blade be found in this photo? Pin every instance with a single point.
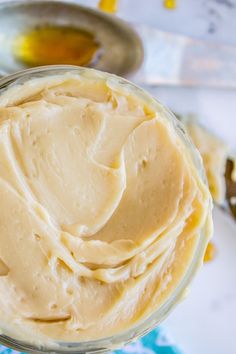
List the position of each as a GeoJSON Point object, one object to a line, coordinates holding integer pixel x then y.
{"type": "Point", "coordinates": [172, 59]}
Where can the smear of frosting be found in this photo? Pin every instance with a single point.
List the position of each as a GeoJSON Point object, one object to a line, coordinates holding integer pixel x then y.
{"type": "Point", "coordinates": [214, 153]}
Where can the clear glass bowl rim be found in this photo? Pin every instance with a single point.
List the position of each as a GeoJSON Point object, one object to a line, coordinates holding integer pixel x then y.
{"type": "Point", "coordinates": [110, 343]}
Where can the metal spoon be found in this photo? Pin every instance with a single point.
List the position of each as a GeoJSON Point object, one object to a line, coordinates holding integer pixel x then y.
{"type": "Point", "coordinates": [122, 50]}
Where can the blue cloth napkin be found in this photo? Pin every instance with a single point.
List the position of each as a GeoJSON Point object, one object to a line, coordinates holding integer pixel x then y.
{"type": "Point", "coordinates": [156, 342]}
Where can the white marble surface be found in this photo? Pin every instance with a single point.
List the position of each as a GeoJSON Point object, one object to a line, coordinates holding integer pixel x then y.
{"type": "Point", "coordinates": [210, 19]}
{"type": "Point", "coordinates": [205, 322]}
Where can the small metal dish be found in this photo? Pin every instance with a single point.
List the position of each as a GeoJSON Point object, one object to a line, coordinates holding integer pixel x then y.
{"type": "Point", "coordinates": [122, 50]}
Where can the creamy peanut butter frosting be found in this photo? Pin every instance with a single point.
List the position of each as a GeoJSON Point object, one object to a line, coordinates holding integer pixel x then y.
{"type": "Point", "coordinates": [102, 208]}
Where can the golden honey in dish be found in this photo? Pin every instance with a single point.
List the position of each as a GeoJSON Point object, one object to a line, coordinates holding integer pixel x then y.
{"type": "Point", "coordinates": [103, 209]}
{"type": "Point", "coordinates": [49, 44]}
{"type": "Point", "coordinates": [109, 6]}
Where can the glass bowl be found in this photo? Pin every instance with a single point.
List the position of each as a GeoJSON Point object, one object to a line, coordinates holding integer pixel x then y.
{"type": "Point", "coordinates": [110, 343]}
